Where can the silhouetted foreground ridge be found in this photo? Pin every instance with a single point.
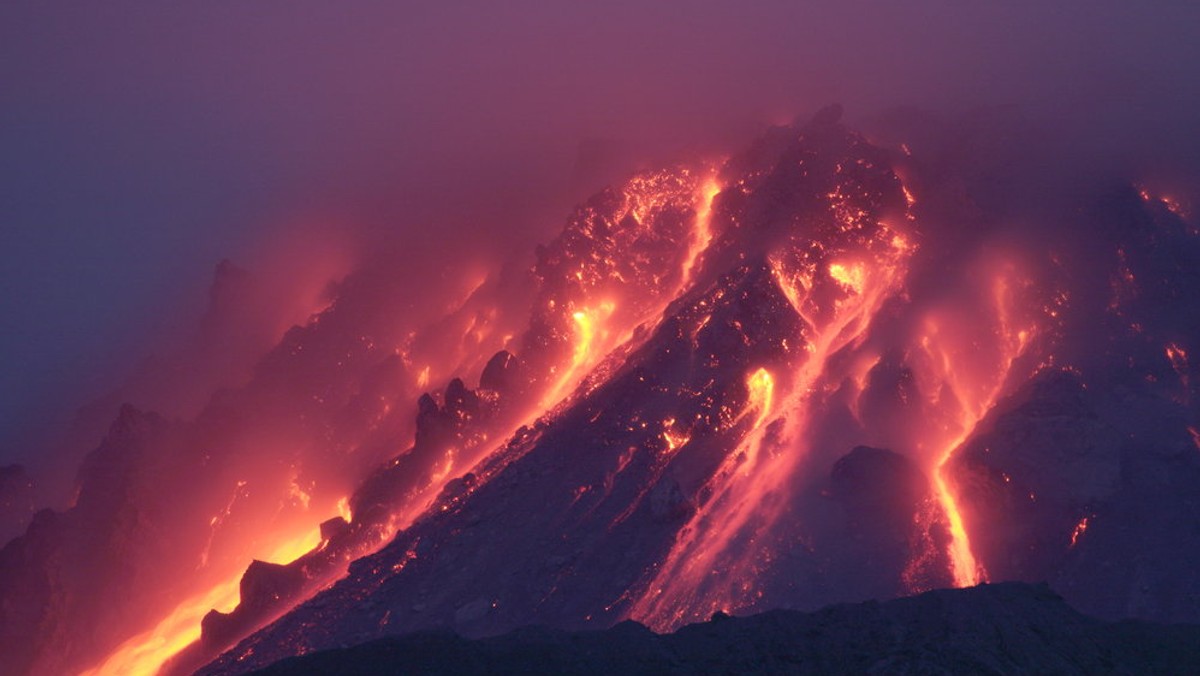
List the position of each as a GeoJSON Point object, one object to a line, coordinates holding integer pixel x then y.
{"type": "Point", "coordinates": [991, 629]}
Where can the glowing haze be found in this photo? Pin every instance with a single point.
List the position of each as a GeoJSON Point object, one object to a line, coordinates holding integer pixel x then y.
{"type": "Point", "coordinates": [145, 143]}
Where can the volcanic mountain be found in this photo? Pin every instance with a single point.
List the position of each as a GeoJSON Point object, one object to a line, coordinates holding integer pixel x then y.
{"type": "Point", "coordinates": [825, 369]}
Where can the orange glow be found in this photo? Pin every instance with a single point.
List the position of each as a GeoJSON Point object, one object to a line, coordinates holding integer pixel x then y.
{"type": "Point", "coordinates": [674, 439]}
{"type": "Point", "coordinates": [1080, 528]}
{"type": "Point", "coordinates": [965, 364]}
{"type": "Point", "coordinates": [762, 389]}
{"type": "Point", "coordinates": [591, 345]}
{"type": "Point", "coordinates": [585, 332]}
{"type": "Point", "coordinates": [1177, 355]}
{"type": "Point", "coordinates": [1173, 205]}
{"type": "Point", "coordinates": [852, 276]}
{"type": "Point", "coordinates": [858, 377]}
{"type": "Point", "coordinates": [1179, 360]}
{"type": "Point", "coordinates": [297, 493]}
{"type": "Point", "coordinates": [145, 653]}
{"type": "Point", "coordinates": [423, 378]}
{"type": "Point", "coordinates": [966, 570]}
{"type": "Point", "coordinates": [702, 230]}
{"type": "Point", "coordinates": [343, 508]}
{"type": "Point", "coordinates": [440, 477]}
{"type": "Point", "coordinates": [740, 508]}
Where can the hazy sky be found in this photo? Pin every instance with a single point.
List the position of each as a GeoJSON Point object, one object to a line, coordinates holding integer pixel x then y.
{"type": "Point", "coordinates": [140, 143]}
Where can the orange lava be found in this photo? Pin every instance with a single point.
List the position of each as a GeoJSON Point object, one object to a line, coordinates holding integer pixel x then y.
{"type": "Point", "coordinates": [702, 230]}
{"type": "Point", "coordinates": [852, 276]}
{"type": "Point", "coordinates": [145, 653]}
{"type": "Point", "coordinates": [762, 390]}
{"type": "Point", "coordinates": [966, 570]}
{"type": "Point", "coordinates": [966, 361]}
{"type": "Point", "coordinates": [718, 543]}
{"type": "Point", "coordinates": [675, 440]}
{"type": "Point", "coordinates": [592, 343]}
{"type": "Point", "coordinates": [1080, 528]}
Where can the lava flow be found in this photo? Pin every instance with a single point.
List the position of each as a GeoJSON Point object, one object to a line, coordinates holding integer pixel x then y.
{"type": "Point", "coordinates": [145, 653]}
{"type": "Point", "coordinates": [725, 547]}
{"type": "Point", "coordinates": [598, 286]}
{"type": "Point", "coordinates": [966, 362]}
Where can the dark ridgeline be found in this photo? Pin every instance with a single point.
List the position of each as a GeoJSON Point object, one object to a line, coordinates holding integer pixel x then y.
{"type": "Point", "coordinates": [1004, 628]}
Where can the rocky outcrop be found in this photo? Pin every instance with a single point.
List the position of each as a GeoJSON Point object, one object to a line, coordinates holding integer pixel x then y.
{"type": "Point", "coordinates": [991, 629]}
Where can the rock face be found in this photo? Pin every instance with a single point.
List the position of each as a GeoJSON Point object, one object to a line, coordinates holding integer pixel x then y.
{"type": "Point", "coordinates": [888, 534]}
{"type": "Point", "coordinates": [992, 629]}
{"type": "Point", "coordinates": [68, 549]}
{"type": "Point", "coordinates": [1063, 487]}
{"type": "Point", "coordinates": [1088, 475]}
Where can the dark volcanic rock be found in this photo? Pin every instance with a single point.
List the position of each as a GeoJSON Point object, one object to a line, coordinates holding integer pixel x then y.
{"type": "Point", "coordinates": [889, 538]}
{"type": "Point", "coordinates": [502, 373]}
{"type": "Point", "coordinates": [1095, 495]}
{"type": "Point", "coordinates": [991, 629]}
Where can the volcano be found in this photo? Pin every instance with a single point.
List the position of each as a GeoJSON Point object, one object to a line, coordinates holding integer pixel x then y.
{"type": "Point", "coordinates": [829, 368]}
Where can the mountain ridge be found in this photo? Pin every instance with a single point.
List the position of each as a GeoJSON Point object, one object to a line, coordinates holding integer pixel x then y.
{"type": "Point", "coordinates": [1007, 627]}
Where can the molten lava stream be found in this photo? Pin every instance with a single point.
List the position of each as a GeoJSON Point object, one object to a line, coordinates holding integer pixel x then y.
{"type": "Point", "coordinates": [973, 371]}
{"type": "Point", "coordinates": [702, 233]}
{"type": "Point", "coordinates": [599, 329]}
{"type": "Point", "coordinates": [146, 653]}
{"type": "Point", "coordinates": [594, 338]}
{"type": "Point", "coordinates": [712, 565]}
{"type": "Point", "coordinates": [966, 570]}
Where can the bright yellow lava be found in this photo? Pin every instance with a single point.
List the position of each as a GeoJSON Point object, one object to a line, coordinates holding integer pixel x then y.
{"type": "Point", "coordinates": [762, 389]}
{"type": "Point", "coordinates": [963, 565]}
{"type": "Point", "coordinates": [702, 230]}
{"type": "Point", "coordinates": [145, 653]}
{"type": "Point", "coordinates": [852, 276]}
{"type": "Point", "coordinates": [585, 332]}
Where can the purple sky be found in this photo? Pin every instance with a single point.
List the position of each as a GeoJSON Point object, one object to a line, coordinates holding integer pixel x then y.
{"type": "Point", "coordinates": [140, 143]}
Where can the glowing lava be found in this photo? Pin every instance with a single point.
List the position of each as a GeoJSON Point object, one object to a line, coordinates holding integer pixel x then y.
{"type": "Point", "coordinates": [716, 561]}
{"type": "Point", "coordinates": [145, 653]}
{"type": "Point", "coordinates": [852, 276]}
{"type": "Point", "coordinates": [762, 389]}
{"type": "Point", "coordinates": [966, 364]}
{"type": "Point", "coordinates": [1079, 530]}
{"type": "Point", "coordinates": [585, 333]}
{"type": "Point", "coordinates": [702, 229]}
{"type": "Point", "coordinates": [588, 331]}
{"type": "Point", "coordinates": [966, 570]}
{"type": "Point", "coordinates": [675, 440]}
